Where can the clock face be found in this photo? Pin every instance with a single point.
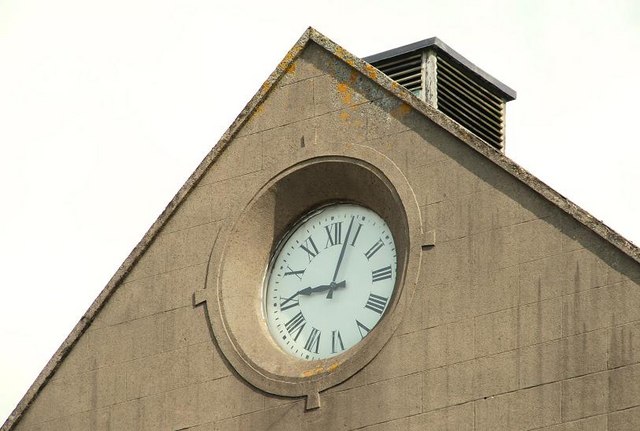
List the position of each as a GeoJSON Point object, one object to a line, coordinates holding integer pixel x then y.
{"type": "Point", "coordinates": [330, 281]}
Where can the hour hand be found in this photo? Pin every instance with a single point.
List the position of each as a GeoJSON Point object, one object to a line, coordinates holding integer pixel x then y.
{"type": "Point", "coordinates": [321, 288]}
{"type": "Point", "coordinates": [335, 286]}
{"type": "Point", "coordinates": [309, 290]}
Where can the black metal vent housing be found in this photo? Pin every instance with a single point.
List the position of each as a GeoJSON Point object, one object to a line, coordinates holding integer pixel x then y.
{"type": "Point", "coordinates": [440, 76]}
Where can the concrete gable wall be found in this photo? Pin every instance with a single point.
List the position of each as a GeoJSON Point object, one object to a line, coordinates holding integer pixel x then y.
{"type": "Point", "coordinates": [522, 318]}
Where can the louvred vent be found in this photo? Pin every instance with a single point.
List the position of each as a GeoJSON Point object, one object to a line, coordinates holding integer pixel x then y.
{"type": "Point", "coordinates": [448, 82]}
{"type": "Point", "coordinates": [466, 102]}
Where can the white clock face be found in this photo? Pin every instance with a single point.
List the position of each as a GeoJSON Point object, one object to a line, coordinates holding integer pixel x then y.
{"type": "Point", "coordinates": [330, 281]}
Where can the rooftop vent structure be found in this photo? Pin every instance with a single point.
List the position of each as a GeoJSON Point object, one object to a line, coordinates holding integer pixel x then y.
{"type": "Point", "coordinates": [440, 76]}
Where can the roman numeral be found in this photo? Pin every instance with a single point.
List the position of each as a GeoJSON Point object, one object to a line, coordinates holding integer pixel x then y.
{"type": "Point", "coordinates": [313, 342]}
{"type": "Point", "coordinates": [362, 328]}
{"type": "Point", "coordinates": [376, 303]}
{"type": "Point", "coordinates": [310, 247]}
{"type": "Point", "coordinates": [296, 324]}
{"type": "Point", "coordinates": [336, 341]}
{"type": "Point", "coordinates": [298, 274]}
{"type": "Point", "coordinates": [373, 250]}
{"type": "Point", "coordinates": [355, 237]}
{"type": "Point", "coordinates": [287, 303]}
{"type": "Point", "coordinates": [334, 234]}
{"type": "Point", "coordinates": [381, 274]}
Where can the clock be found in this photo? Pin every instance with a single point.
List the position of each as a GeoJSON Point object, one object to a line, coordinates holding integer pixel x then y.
{"type": "Point", "coordinates": [330, 281]}
{"type": "Point", "coordinates": [314, 270]}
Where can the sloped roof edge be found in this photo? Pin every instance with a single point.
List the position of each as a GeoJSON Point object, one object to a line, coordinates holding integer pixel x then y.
{"type": "Point", "coordinates": [365, 68]}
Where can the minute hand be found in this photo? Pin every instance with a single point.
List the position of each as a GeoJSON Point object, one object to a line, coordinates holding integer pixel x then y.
{"type": "Point", "coordinates": [344, 247]}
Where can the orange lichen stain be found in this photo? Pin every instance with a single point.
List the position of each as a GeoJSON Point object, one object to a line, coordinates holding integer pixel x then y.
{"type": "Point", "coordinates": [291, 69]}
{"type": "Point", "coordinates": [344, 116]}
{"type": "Point", "coordinates": [344, 55]}
{"type": "Point", "coordinates": [371, 71]}
{"type": "Point", "coordinates": [288, 58]}
{"type": "Point", "coordinates": [259, 109]}
{"type": "Point", "coordinates": [346, 93]}
{"type": "Point", "coordinates": [319, 370]}
{"type": "Point", "coordinates": [395, 85]}
{"type": "Point", "coordinates": [313, 372]}
{"type": "Point", "coordinates": [402, 110]}
{"type": "Point", "coordinates": [353, 76]}
{"type": "Point", "coordinates": [264, 88]}
{"type": "Point", "coordinates": [287, 62]}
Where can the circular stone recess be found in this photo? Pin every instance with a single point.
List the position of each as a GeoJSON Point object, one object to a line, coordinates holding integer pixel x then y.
{"type": "Point", "coordinates": [243, 250]}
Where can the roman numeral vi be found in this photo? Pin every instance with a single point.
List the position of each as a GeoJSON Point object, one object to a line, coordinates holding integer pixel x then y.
{"type": "Point", "coordinates": [313, 342]}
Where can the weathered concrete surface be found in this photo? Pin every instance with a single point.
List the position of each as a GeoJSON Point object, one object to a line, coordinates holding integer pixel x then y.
{"type": "Point", "coordinates": [526, 315]}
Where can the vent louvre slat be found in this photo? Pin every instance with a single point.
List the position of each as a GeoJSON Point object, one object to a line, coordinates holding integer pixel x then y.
{"type": "Point", "coordinates": [405, 78]}
{"type": "Point", "coordinates": [451, 110]}
{"type": "Point", "coordinates": [412, 85]}
{"type": "Point", "coordinates": [470, 83]}
{"type": "Point", "coordinates": [412, 77]}
{"type": "Point", "coordinates": [400, 68]}
{"type": "Point", "coordinates": [410, 71]}
{"type": "Point", "coordinates": [492, 122]}
{"type": "Point", "coordinates": [395, 61]}
{"type": "Point", "coordinates": [471, 123]}
{"type": "Point", "coordinates": [454, 114]}
{"type": "Point", "coordinates": [450, 113]}
{"type": "Point", "coordinates": [406, 71]}
{"type": "Point", "coordinates": [454, 84]}
{"type": "Point", "coordinates": [492, 117]}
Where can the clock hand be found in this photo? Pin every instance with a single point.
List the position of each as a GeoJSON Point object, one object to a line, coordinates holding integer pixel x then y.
{"type": "Point", "coordinates": [309, 290]}
{"type": "Point", "coordinates": [306, 291]}
{"type": "Point", "coordinates": [344, 247]}
{"type": "Point", "coordinates": [334, 286]}
{"type": "Point", "coordinates": [321, 288]}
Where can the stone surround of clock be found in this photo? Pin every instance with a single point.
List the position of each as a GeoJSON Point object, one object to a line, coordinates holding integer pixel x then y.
{"type": "Point", "coordinates": [241, 255]}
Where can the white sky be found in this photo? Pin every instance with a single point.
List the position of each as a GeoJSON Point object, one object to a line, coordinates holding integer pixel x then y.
{"type": "Point", "coordinates": [107, 107]}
